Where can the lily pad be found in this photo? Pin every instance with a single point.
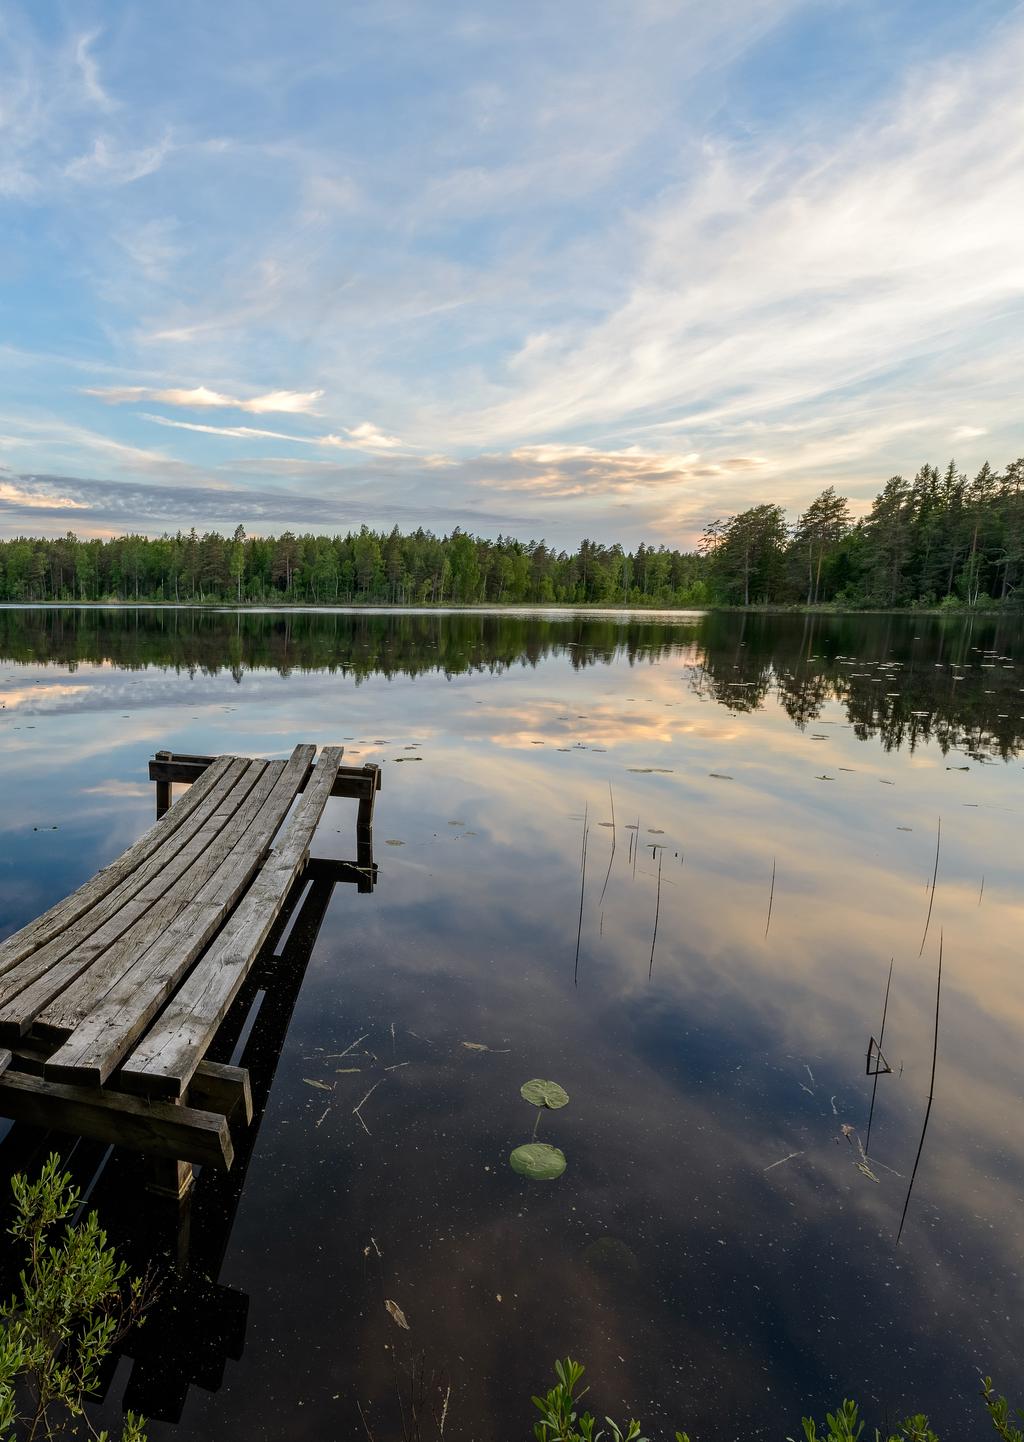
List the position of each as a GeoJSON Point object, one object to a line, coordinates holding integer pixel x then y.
{"type": "Point", "coordinates": [544, 1094]}
{"type": "Point", "coordinates": [538, 1161]}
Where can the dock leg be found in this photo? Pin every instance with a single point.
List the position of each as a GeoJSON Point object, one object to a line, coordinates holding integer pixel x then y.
{"type": "Point", "coordinates": [364, 818]}
{"type": "Point", "coordinates": [163, 789]}
{"type": "Point", "coordinates": [167, 1178]}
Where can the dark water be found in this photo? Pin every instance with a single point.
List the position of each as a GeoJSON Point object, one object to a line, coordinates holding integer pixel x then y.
{"type": "Point", "coordinates": [713, 1251]}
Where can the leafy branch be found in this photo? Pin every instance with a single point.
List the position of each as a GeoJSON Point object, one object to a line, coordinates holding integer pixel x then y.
{"type": "Point", "coordinates": [74, 1303]}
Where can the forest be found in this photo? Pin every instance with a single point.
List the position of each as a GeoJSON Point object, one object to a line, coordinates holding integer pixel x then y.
{"type": "Point", "coordinates": [941, 539]}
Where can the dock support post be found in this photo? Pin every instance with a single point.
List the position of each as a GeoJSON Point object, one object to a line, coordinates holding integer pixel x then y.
{"type": "Point", "coordinates": [163, 789]}
{"type": "Point", "coordinates": [167, 1178]}
{"type": "Point", "coordinates": [364, 818]}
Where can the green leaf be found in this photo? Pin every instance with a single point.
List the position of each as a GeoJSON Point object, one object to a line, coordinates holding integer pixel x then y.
{"type": "Point", "coordinates": [544, 1094]}
{"type": "Point", "coordinates": [538, 1161]}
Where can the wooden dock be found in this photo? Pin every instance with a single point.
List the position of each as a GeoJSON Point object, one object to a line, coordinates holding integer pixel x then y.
{"type": "Point", "coordinates": [111, 1002]}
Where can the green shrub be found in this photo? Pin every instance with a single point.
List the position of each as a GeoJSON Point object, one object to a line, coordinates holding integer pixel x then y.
{"type": "Point", "coordinates": [72, 1306]}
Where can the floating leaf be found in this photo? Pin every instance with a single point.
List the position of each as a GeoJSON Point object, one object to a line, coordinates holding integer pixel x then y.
{"type": "Point", "coordinates": [310, 1082]}
{"type": "Point", "coordinates": [538, 1161]}
{"type": "Point", "coordinates": [544, 1094]}
{"type": "Point", "coordinates": [396, 1314]}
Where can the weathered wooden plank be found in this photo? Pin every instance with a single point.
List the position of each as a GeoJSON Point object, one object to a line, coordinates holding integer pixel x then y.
{"type": "Point", "coordinates": [59, 917]}
{"type": "Point", "coordinates": [217, 1087]}
{"type": "Point", "coordinates": [150, 918]}
{"type": "Point", "coordinates": [353, 781]}
{"type": "Point", "coordinates": [26, 992]}
{"type": "Point", "coordinates": [158, 1128]}
{"type": "Point", "coordinates": [5, 1059]}
{"type": "Point", "coordinates": [163, 1062]}
{"type": "Point", "coordinates": [102, 1039]}
{"type": "Point", "coordinates": [112, 915]}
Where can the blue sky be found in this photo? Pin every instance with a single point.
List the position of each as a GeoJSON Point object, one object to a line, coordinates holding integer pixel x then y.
{"type": "Point", "coordinates": [555, 269]}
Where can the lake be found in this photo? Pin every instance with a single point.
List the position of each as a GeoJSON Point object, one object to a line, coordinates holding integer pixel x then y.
{"type": "Point", "coordinates": [663, 860]}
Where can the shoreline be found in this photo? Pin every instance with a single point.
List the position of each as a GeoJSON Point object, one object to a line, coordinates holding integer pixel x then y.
{"type": "Point", "coordinates": [525, 608]}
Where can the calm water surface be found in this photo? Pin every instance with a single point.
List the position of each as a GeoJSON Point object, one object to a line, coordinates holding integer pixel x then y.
{"type": "Point", "coordinates": [713, 1251]}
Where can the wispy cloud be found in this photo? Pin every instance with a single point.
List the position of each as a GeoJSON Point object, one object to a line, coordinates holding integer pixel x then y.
{"type": "Point", "coordinates": [14, 493]}
{"type": "Point", "coordinates": [600, 261]}
{"type": "Point", "coordinates": [90, 73]}
{"type": "Point", "coordinates": [556, 471]}
{"type": "Point", "coordinates": [111, 163]}
{"type": "Point", "coordinates": [364, 437]}
{"type": "Point", "coordinates": [47, 502]}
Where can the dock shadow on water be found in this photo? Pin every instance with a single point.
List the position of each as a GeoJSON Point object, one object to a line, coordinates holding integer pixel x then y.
{"type": "Point", "coordinates": [719, 1234]}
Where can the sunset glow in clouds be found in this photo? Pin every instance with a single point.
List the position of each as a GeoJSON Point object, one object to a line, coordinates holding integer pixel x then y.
{"type": "Point", "coordinates": [598, 269]}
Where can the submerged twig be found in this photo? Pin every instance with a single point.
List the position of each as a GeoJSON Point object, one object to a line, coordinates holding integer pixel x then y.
{"type": "Point", "coordinates": [358, 1111]}
{"type": "Point", "coordinates": [781, 1160]}
{"type": "Point", "coordinates": [881, 1038]}
{"type": "Point", "coordinates": [611, 858]}
{"type": "Point", "coordinates": [931, 899]}
{"type": "Point", "coordinates": [771, 898]}
{"type": "Point", "coordinates": [337, 1055]}
{"type": "Point", "coordinates": [931, 1095]}
{"type": "Point", "coordinates": [657, 909]}
{"type": "Point", "coordinates": [583, 887]}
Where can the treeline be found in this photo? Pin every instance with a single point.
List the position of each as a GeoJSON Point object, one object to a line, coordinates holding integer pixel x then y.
{"type": "Point", "coordinates": [367, 566]}
{"type": "Point", "coordinates": [940, 539]}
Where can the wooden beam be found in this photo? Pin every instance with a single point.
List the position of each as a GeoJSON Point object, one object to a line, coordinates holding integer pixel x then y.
{"type": "Point", "coordinates": [216, 1087]}
{"type": "Point", "coordinates": [352, 781]}
{"type": "Point", "coordinates": [157, 1128]}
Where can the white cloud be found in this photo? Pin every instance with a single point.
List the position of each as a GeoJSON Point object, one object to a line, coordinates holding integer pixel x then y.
{"type": "Point", "coordinates": [201, 398]}
{"type": "Point", "coordinates": [968, 433]}
{"type": "Point", "coordinates": [364, 437]}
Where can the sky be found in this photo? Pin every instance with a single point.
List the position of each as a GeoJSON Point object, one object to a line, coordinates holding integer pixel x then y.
{"type": "Point", "coordinates": [598, 268]}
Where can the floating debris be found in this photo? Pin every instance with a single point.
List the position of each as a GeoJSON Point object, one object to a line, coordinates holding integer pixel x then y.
{"type": "Point", "coordinates": [396, 1314]}
{"type": "Point", "coordinates": [779, 1163]}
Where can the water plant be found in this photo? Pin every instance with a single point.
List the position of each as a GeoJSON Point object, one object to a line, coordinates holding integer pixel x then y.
{"type": "Point", "coordinates": [536, 1160]}
{"type": "Point", "coordinates": [562, 1421]}
{"type": "Point", "coordinates": [73, 1305]}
